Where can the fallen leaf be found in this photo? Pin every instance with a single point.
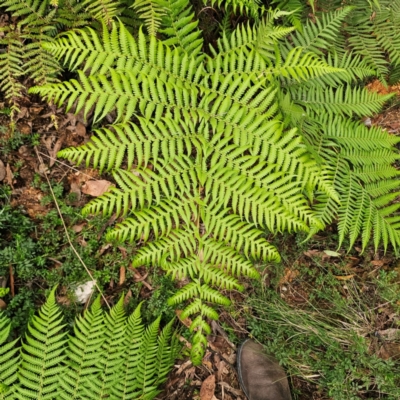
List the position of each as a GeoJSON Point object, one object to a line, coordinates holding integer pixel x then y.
{"type": "Point", "coordinates": [331, 253]}
{"type": "Point", "coordinates": [229, 388]}
{"type": "Point", "coordinates": [312, 253]}
{"type": "Point", "coordinates": [3, 304]}
{"type": "Point", "coordinates": [80, 129]}
{"type": "Point", "coordinates": [9, 176]}
{"type": "Point", "coordinates": [53, 152]}
{"type": "Point", "coordinates": [122, 272]}
{"type": "Point", "coordinates": [207, 388]}
{"type": "Point", "coordinates": [75, 188]}
{"type": "Point", "coordinates": [25, 129]}
{"type": "Point", "coordinates": [127, 298]}
{"type": "Point", "coordinates": [390, 334]}
{"type": "Point", "coordinates": [187, 321]}
{"type": "Point", "coordinates": [96, 188]}
{"type": "Point", "coordinates": [289, 276]}
{"type": "Point", "coordinates": [2, 171]}
{"type": "Point", "coordinates": [78, 228]}
{"type": "Point", "coordinates": [344, 277]}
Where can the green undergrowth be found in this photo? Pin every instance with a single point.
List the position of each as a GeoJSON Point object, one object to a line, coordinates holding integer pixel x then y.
{"type": "Point", "coordinates": [40, 257]}
{"type": "Point", "coordinates": [341, 334]}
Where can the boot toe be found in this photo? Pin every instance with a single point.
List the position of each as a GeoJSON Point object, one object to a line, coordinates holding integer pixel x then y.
{"type": "Point", "coordinates": [260, 375]}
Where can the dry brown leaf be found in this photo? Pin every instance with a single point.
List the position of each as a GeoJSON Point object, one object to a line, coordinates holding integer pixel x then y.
{"type": "Point", "coordinates": [290, 274]}
{"type": "Point", "coordinates": [312, 253]}
{"type": "Point", "coordinates": [80, 129]}
{"type": "Point", "coordinates": [2, 171]}
{"type": "Point", "coordinates": [127, 298]}
{"type": "Point", "coordinates": [3, 304]}
{"type": "Point", "coordinates": [187, 321]}
{"type": "Point", "coordinates": [75, 188]}
{"type": "Point", "coordinates": [9, 176]}
{"type": "Point", "coordinates": [207, 388]}
{"type": "Point", "coordinates": [78, 228]}
{"type": "Point", "coordinates": [122, 272]}
{"type": "Point", "coordinates": [96, 188]}
{"type": "Point", "coordinates": [390, 334]}
{"type": "Point", "coordinates": [344, 277]}
{"type": "Point", "coordinates": [229, 388]}
{"type": "Point", "coordinates": [53, 152]}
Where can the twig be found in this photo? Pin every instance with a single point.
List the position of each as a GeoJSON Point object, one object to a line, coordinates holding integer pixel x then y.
{"type": "Point", "coordinates": [64, 164]}
{"type": "Point", "coordinates": [12, 281]}
{"type": "Point", "coordinates": [66, 231]}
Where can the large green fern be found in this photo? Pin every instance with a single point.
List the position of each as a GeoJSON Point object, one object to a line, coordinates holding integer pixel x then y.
{"type": "Point", "coordinates": [106, 356]}
{"type": "Point", "coordinates": [211, 152]}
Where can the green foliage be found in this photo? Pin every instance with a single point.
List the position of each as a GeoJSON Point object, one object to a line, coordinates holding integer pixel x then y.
{"type": "Point", "coordinates": [370, 29]}
{"type": "Point", "coordinates": [333, 338]}
{"type": "Point", "coordinates": [210, 152]}
{"type": "Point", "coordinates": [106, 356]}
{"type": "Point", "coordinates": [39, 255]}
{"type": "Point", "coordinates": [23, 44]}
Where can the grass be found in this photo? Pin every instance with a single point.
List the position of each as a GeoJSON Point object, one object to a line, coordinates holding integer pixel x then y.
{"type": "Point", "coordinates": [332, 335]}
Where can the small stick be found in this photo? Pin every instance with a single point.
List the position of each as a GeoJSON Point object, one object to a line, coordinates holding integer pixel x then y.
{"type": "Point", "coordinates": [67, 234]}
{"type": "Point", "coordinates": [12, 281]}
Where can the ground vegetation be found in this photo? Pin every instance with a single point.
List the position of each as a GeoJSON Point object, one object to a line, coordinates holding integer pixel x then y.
{"type": "Point", "coordinates": [206, 136]}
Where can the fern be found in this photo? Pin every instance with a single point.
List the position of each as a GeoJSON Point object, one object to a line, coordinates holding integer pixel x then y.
{"type": "Point", "coordinates": [84, 354]}
{"type": "Point", "coordinates": [106, 356]}
{"type": "Point", "coordinates": [102, 10]}
{"type": "Point", "coordinates": [151, 11]}
{"type": "Point", "coordinates": [9, 360]}
{"type": "Point", "coordinates": [37, 22]}
{"type": "Point", "coordinates": [11, 62]}
{"type": "Point", "coordinates": [180, 28]}
{"type": "Point", "coordinates": [207, 156]}
{"type": "Point", "coordinates": [42, 353]}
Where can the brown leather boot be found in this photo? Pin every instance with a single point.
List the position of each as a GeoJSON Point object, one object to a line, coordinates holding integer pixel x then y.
{"type": "Point", "coordinates": [260, 375]}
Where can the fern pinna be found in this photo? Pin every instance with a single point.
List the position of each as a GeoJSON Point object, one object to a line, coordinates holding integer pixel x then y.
{"type": "Point", "coordinates": [212, 152]}
{"type": "Point", "coordinates": [106, 356]}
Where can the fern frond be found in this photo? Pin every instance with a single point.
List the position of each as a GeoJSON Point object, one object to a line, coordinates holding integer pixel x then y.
{"type": "Point", "coordinates": [353, 135]}
{"type": "Point", "coordinates": [250, 7]}
{"type": "Point", "coordinates": [141, 188]}
{"type": "Point", "coordinates": [301, 66]}
{"type": "Point", "coordinates": [136, 142]}
{"type": "Point", "coordinates": [9, 359]}
{"type": "Point", "coordinates": [85, 352]}
{"type": "Point", "coordinates": [180, 27]}
{"type": "Point", "coordinates": [102, 10]}
{"type": "Point", "coordinates": [170, 248]}
{"type": "Point", "coordinates": [240, 235]}
{"type": "Point", "coordinates": [39, 64]}
{"type": "Point", "coordinates": [361, 214]}
{"type": "Point", "coordinates": [106, 356]}
{"type": "Point", "coordinates": [146, 370]}
{"type": "Point", "coordinates": [160, 220]}
{"type": "Point", "coordinates": [322, 34]}
{"type": "Point", "coordinates": [387, 29]}
{"type": "Point", "coordinates": [11, 62]}
{"type": "Point", "coordinates": [295, 10]}
{"type": "Point", "coordinates": [31, 12]}
{"type": "Point", "coordinates": [42, 353]}
{"type": "Point", "coordinates": [260, 38]}
{"type": "Point", "coordinates": [152, 12]}
{"type": "Point", "coordinates": [111, 355]}
{"type": "Point", "coordinates": [219, 254]}
{"type": "Point", "coordinates": [344, 100]}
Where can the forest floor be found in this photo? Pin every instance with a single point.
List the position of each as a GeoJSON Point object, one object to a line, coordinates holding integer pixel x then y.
{"type": "Point", "coordinates": [28, 158]}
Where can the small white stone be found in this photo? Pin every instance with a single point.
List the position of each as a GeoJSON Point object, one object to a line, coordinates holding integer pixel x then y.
{"type": "Point", "coordinates": [84, 291]}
